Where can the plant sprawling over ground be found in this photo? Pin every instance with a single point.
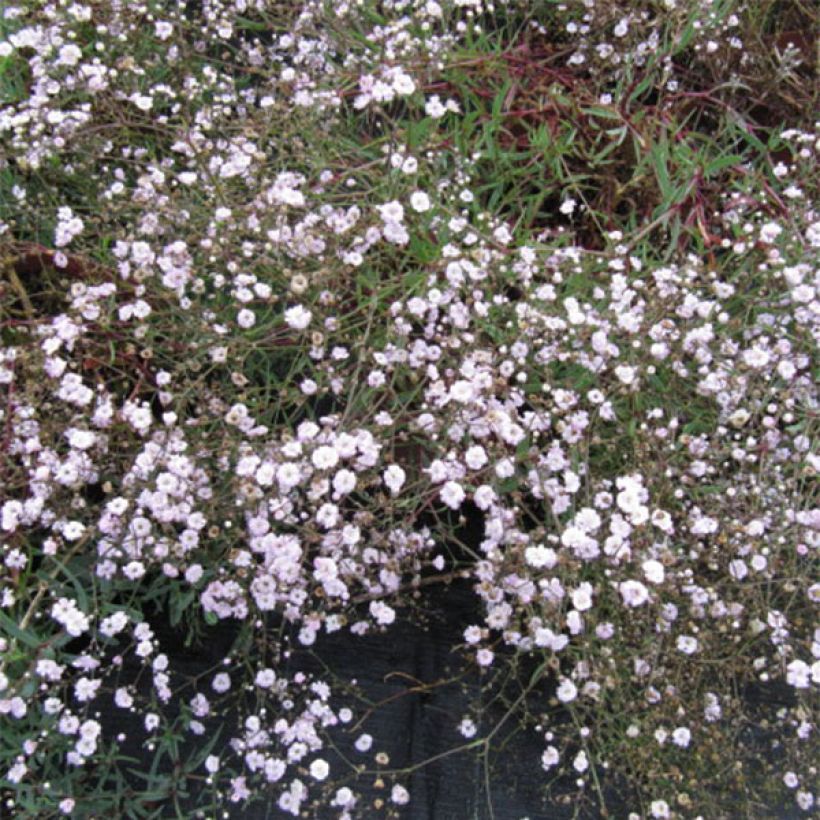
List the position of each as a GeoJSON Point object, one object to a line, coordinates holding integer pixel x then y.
{"type": "Point", "coordinates": [291, 290]}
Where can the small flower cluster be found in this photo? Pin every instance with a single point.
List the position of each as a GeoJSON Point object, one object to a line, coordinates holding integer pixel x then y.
{"type": "Point", "coordinates": [273, 338]}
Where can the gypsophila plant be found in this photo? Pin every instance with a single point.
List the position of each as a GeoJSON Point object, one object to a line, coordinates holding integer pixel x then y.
{"type": "Point", "coordinates": [292, 292]}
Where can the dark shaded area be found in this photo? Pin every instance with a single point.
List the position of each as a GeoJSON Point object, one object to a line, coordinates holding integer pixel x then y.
{"type": "Point", "coordinates": [417, 690]}
{"type": "Point", "coordinates": [424, 690]}
{"type": "Point", "coordinates": [420, 690]}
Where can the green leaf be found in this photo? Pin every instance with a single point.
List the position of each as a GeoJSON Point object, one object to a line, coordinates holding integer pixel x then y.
{"type": "Point", "coordinates": [423, 250]}
{"type": "Point", "coordinates": [250, 25]}
{"type": "Point", "coordinates": [193, 763]}
{"type": "Point", "coordinates": [419, 132]}
{"type": "Point", "coordinates": [500, 98]}
{"type": "Point", "coordinates": [604, 113]}
{"type": "Point", "coordinates": [720, 163]}
{"type": "Point", "coordinates": [685, 38]}
{"type": "Point", "coordinates": [659, 157]}
{"type": "Point", "coordinates": [10, 626]}
{"type": "Point", "coordinates": [641, 87]}
{"type": "Point", "coordinates": [179, 603]}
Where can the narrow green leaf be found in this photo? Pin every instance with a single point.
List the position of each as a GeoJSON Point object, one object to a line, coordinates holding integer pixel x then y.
{"type": "Point", "coordinates": [659, 158]}
{"type": "Point", "coordinates": [10, 626]}
{"type": "Point", "coordinates": [720, 163]}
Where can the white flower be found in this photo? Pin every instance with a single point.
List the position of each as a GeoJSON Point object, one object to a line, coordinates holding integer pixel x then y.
{"type": "Point", "coordinates": [81, 439]}
{"type": "Point", "coordinates": [790, 780]}
{"type": "Point", "coordinates": [484, 657]}
{"type": "Point", "coordinates": [265, 678]}
{"type": "Point", "coordinates": [580, 764]}
{"type": "Point", "coordinates": [433, 107]}
{"type": "Point", "coordinates": [73, 530]}
{"type": "Point", "coordinates": [363, 743]}
{"type": "Point", "coordinates": [194, 573]}
{"type": "Point", "coordinates": [382, 92]}
{"type": "Point", "coordinates": [574, 537]}
{"type": "Point", "coordinates": [687, 644]}
{"type": "Point", "coordinates": [634, 593]}
{"type": "Point", "coordinates": [567, 691]}
{"type": "Point", "coordinates": [798, 674]}
{"type": "Point", "coordinates": [163, 29]}
{"type": "Point", "coordinates": [475, 457]}
{"type": "Point", "coordinates": [568, 207]}
{"type": "Point", "coordinates": [246, 318]}
{"type": "Point", "coordinates": [419, 201]}
{"type": "Point", "coordinates": [681, 737]}
{"type": "Point", "coordinates": [756, 357]}
{"type": "Point", "coordinates": [505, 468]}
{"type": "Point", "coordinates": [550, 758]}
{"type": "Point", "coordinates": [391, 211]}
{"type": "Point", "coordinates": [123, 698]}
{"type": "Point", "coordinates": [113, 624]}
{"type": "Point", "coordinates": [145, 103]}
{"type": "Point", "coordinates": [770, 231]}
{"type": "Point", "coordinates": [653, 571]}
{"type": "Point", "coordinates": [403, 85]}
{"type": "Point", "coordinates": [452, 494]}
{"type": "Point", "coordinates": [319, 769]}
{"type": "Point", "coordinates": [65, 611]}
{"type": "Point", "coordinates": [461, 391]}
{"type": "Point", "coordinates": [467, 728]}
{"type": "Point", "coordinates": [484, 497]}
{"type": "Point", "coordinates": [327, 516]}
{"type": "Point", "coordinates": [306, 431]}
{"type": "Point", "coordinates": [540, 557]}
{"type": "Point", "coordinates": [626, 374]}
{"type": "Point", "coordinates": [472, 634]}
{"type": "Point", "coordinates": [85, 689]}
{"type": "Point", "coordinates": [395, 233]}
{"type": "Point", "coordinates": [394, 477]}
{"type": "Point", "coordinates": [344, 482]}
{"type": "Point", "coordinates": [588, 520]}
{"type": "Point", "coordinates": [382, 613]}
{"type": "Point", "coordinates": [399, 795]}
{"type": "Point", "coordinates": [221, 682]}
{"type": "Point", "coordinates": [298, 317]}
{"type": "Point", "coordinates": [547, 638]}
{"type": "Point", "coordinates": [134, 570]}
{"type": "Point", "coordinates": [68, 227]}
{"type": "Point", "coordinates": [582, 597]}
{"type": "Point", "coordinates": [343, 797]}
{"type": "Point", "coordinates": [325, 457]}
